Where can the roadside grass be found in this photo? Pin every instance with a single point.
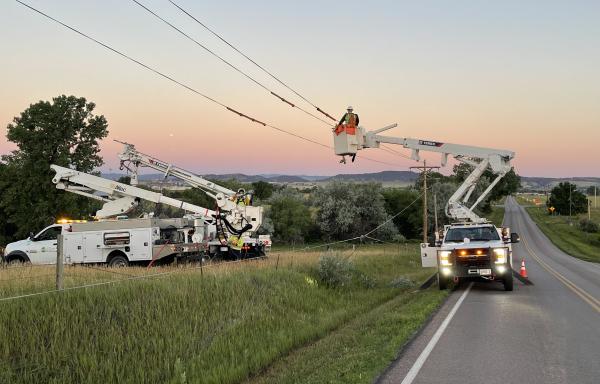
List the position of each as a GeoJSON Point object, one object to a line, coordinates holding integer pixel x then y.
{"type": "Point", "coordinates": [220, 324]}
{"type": "Point", "coordinates": [497, 215]}
{"type": "Point", "coordinates": [359, 351]}
{"type": "Point", "coordinates": [564, 231]}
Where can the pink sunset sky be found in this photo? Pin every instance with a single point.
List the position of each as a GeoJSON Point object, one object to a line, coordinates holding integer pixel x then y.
{"type": "Point", "coordinates": [514, 75]}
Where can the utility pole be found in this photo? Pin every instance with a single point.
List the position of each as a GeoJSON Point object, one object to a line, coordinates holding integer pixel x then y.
{"type": "Point", "coordinates": [435, 212]}
{"type": "Point", "coordinates": [595, 196]}
{"type": "Point", "coordinates": [424, 169]}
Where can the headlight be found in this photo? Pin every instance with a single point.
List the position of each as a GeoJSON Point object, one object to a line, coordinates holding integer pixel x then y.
{"type": "Point", "coordinates": [444, 257]}
{"type": "Point", "coordinates": [501, 255]}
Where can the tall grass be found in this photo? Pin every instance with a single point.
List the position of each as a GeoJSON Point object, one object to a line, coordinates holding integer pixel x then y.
{"type": "Point", "coordinates": [215, 325]}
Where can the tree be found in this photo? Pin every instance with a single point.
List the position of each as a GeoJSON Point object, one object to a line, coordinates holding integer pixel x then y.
{"type": "Point", "coordinates": [63, 132]}
{"type": "Point", "coordinates": [262, 189]}
{"type": "Point", "coordinates": [289, 216]}
{"type": "Point", "coordinates": [592, 190]}
{"type": "Point", "coordinates": [410, 221]}
{"type": "Point", "coordinates": [566, 199]}
{"type": "Point", "coordinates": [347, 210]}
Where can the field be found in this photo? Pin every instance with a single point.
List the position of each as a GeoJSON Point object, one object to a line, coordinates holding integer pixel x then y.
{"type": "Point", "coordinates": [223, 323]}
{"type": "Point", "coordinates": [564, 231]}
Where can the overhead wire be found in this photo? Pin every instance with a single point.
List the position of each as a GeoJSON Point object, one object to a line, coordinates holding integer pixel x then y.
{"type": "Point", "coordinates": [182, 84]}
{"type": "Point", "coordinates": [225, 61]}
{"type": "Point", "coordinates": [252, 60]}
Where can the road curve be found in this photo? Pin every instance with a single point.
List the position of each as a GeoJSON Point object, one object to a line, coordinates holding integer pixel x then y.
{"type": "Point", "coordinates": [543, 333]}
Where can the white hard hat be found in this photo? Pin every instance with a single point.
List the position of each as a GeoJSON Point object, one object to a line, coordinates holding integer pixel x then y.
{"type": "Point", "coordinates": [350, 108]}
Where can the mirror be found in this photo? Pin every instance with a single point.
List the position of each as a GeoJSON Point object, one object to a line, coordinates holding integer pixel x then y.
{"type": "Point", "coordinates": [514, 238]}
{"type": "Point", "coordinates": [31, 236]}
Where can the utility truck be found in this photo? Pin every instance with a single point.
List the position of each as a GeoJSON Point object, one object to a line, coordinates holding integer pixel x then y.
{"type": "Point", "coordinates": [471, 246]}
{"type": "Point", "coordinates": [228, 231]}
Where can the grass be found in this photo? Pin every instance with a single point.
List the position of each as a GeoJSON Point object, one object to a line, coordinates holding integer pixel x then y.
{"type": "Point", "coordinates": [359, 351]}
{"type": "Point", "coordinates": [497, 215]}
{"type": "Point", "coordinates": [563, 231]}
{"type": "Point", "coordinates": [224, 325]}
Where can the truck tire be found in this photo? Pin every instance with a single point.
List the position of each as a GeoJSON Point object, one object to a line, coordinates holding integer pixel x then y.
{"type": "Point", "coordinates": [16, 258]}
{"type": "Point", "coordinates": [442, 282]}
{"type": "Point", "coordinates": [118, 261]}
{"type": "Point", "coordinates": [508, 281]}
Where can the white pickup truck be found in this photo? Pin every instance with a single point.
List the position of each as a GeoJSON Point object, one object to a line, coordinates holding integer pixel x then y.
{"type": "Point", "coordinates": [36, 249]}
{"type": "Point", "coordinates": [472, 250]}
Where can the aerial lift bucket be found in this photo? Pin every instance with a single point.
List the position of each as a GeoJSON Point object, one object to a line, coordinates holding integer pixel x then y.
{"type": "Point", "coordinates": [347, 139]}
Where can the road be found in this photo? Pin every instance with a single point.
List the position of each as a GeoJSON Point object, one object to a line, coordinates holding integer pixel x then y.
{"type": "Point", "coordinates": [548, 332]}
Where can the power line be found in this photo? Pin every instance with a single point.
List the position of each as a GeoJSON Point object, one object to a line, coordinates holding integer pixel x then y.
{"type": "Point", "coordinates": [252, 61]}
{"type": "Point", "coordinates": [184, 85]}
{"type": "Point", "coordinates": [180, 31]}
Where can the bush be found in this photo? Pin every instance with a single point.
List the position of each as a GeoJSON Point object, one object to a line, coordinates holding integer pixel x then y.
{"type": "Point", "coordinates": [335, 271]}
{"type": "Point", "coordinates": [402, 282]}
{"type": "Point", "coordinates": [588, 226]}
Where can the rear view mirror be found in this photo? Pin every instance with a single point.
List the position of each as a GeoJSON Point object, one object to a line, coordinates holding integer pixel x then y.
{"type": "Point", "coordinates": [514, 238]}
{"type": "Point", "coordinates": [31, 235]}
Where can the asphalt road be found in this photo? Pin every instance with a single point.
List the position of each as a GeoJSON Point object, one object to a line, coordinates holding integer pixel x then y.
{"type": "Point", "coordinates": [548, 332]}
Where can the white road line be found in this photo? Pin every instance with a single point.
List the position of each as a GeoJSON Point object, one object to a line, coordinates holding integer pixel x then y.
{"type": "Point", "coordinates": [414, 370]}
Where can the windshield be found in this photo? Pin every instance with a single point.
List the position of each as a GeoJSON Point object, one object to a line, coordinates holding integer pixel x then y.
{"type": "Point", "coordinates": [457, 235]}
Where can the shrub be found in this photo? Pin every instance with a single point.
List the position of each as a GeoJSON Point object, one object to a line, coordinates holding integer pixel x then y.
{"type": "Point", "coordinates": [588, 226]}
{"type": "Point", "coordinates": [402, 282]}
{"type": "Point", "coordinates": [335, 271]}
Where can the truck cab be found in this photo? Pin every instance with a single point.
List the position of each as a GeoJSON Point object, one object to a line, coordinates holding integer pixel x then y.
{"type": "Point", "coordinates": [36, 249]}
{"type": "Point", "coordinates": [466, 251]}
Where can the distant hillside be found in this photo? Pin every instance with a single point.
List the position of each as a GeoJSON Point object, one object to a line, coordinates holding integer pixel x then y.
{"type": "Point", "coordinates": [402, 177]}
{"type": "Point", "coordinates": [382, 177]}
{"type": "Point", "coordinates": [543, 183]}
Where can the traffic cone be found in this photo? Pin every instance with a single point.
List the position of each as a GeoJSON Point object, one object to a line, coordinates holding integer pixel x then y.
{"type": "Point", "coordinates": [523, 272]}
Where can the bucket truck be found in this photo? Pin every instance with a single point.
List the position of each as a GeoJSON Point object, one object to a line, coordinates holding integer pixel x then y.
{"type": "Point", "coordinates": [202, 232]}
{"type": "Point", "coordinates": [470, 247]}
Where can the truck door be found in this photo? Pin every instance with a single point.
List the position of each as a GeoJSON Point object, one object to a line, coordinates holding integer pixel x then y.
{"type": "Point", "coordinates": [45, 245]}
{"type": "Point", "coordinates": [141, 244]}
{"type": "Point", "coordinates": [92, 247]}
{"type": "Point", "coordinates": [73, 248]}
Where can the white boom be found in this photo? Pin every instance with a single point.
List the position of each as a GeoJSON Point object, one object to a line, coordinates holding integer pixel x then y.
{"type": "Point", "coordinates": [239, 215]}
{"type": "Point", "coordinates": [121, 198]}
{"type": "Point", "coordinates": [350, 141]}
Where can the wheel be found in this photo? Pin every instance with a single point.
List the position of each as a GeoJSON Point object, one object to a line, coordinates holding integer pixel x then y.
{"type": "Point", "coordinates": [16, 258]}
{"type": "Point", "coordinates": [118, 262]}
{"type": "Point", "coordinates": [442, 282]}
{"type": "Point", "coordinates": [508, 281]}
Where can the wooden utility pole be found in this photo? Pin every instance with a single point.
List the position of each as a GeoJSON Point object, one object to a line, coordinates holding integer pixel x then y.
{"type": "Point", "coordinates": [424, 169]}
{"type": "Point", "coordinates": [435, 212]}
{"type": "Point", "coordinates": [60, 266]}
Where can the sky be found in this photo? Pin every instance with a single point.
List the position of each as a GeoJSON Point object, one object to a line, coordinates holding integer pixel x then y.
{"type": "Point", "coordinates": [516, 75]}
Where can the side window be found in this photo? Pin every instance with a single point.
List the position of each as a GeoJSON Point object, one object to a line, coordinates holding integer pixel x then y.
{"type": "Point", "coordinates": [49, 234]}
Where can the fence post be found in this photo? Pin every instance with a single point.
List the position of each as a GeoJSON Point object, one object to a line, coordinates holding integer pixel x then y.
{"type": "Point", "coordinates": [277, 264]}
{"type": "Point", "coordinates": [60, 266]}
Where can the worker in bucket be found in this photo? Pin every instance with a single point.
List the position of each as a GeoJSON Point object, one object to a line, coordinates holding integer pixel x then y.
{"type": "Point", "coordinates": [350, 118]}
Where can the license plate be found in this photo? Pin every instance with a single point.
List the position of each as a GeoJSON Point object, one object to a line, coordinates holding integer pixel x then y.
{"type": "Point", "coordinates": [482, 272]}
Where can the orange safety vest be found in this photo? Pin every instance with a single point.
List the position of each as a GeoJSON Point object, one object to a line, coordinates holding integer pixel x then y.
{"type": "Point", "coordinates": [349, 125]}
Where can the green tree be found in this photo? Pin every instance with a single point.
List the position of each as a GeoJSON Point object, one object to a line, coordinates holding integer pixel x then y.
{"type": "Point", "coordinates": [347, 210]}
{"type": "Point", "coordinates": [410, 221]}
{"type": "Point", "coordinates": [262, 189]}
{"type": "Point", "coordinates": [566, 199]}
{"type": "Point", "coordinates": [290, 216]}
{"type": "Point", "coordinates": [592, 189]}
{"type": "Point", "coordinates": [63, 132]}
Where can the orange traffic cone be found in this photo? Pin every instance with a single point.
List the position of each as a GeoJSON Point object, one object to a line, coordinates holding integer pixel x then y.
{"type": "Point", "coordinates": [523, 272]}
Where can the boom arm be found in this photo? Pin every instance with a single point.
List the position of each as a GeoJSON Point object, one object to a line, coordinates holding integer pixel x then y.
{"type": "Point", "coordinates": [121, 199]}
{"type": "Point", "coordinates": [480, 158]}
{"type": "Point", "coordinates": [238, 215]}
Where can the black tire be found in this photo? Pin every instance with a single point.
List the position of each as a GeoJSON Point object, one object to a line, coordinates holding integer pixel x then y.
{"type": "Point", "coordinates": [442, 282]}
{"type": "Point", "coordinates": [16, 258]}
{"type": "Point", "coordinates": [118, 261]}
{"type": "Point", "coordinates": [508, 281]}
